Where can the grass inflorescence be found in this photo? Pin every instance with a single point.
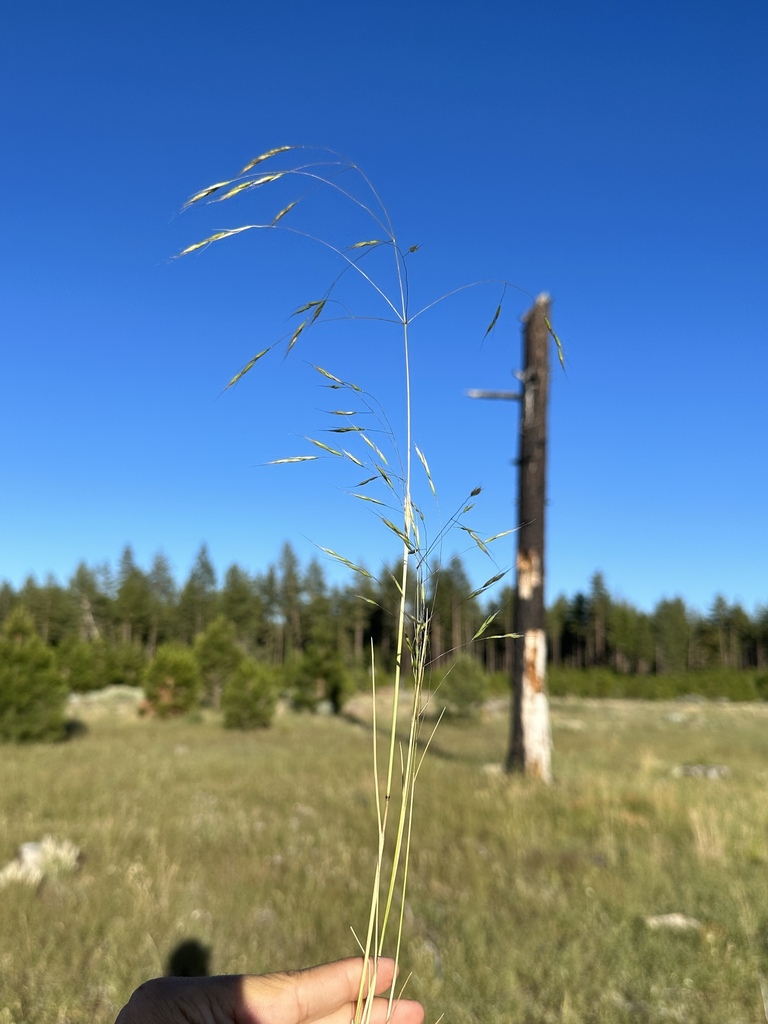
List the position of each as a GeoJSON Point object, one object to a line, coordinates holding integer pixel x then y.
{"type": "Point", "coordinates": [386, 457]}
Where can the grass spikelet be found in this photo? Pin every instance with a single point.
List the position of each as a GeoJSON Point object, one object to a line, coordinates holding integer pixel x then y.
{"type": "Point", "coordinates": [215, 238]}
{"type": "Point", "coordinates": [374, 447]}
{"type": "Point", "coordinates": [265, 156]}
{"type": "Point", "coordinates": [354, 459]}
{"type": "Point", "coordinates": [243, 185]}
{"type": "Point", "coordinates": [345, 561]}
{"type": "Point", "coordinates": [204, 193]}
{"type": "Point", "coordinates": [485, 625]}
{"type": "Point", "coordinates": [398, 532]}
{"type": "Point", "coordinates": [492, 324]}
{"type": "Point", "coordinates": [337, 382]}
{"type": "Point", "coordinates": [295, 336]}
{"type": "Point", "coordinates": [384, 476]}
{"type": "Point", "coordinates": [309, 305]}
{"type": "Point", "coordinates": [283, 212]}
{"type": "Point", "coordinates": [248, 366]}
{"type": "Point", "coordinates": [478, 540]}
{"type": "Point", "coordinates": [498, 536]}
{"type": "Point", "coordinates": [367, 497]}
{"type": "Point", "coordinates": [488, 583]}
{"type": "Point", "coordinates": [327, 375]}
{"type": "Point", "coordinates": [560, 353]}
{"type": "Point", "coordinates": [326, 447]}
{"type": "Point", "coordinates": [293, 458]}
{"type": "Point", "coordinates": [423, 461]}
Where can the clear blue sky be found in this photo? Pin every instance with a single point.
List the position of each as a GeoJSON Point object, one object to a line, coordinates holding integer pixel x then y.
{"type": "Point", "coordinates": [612, 154]}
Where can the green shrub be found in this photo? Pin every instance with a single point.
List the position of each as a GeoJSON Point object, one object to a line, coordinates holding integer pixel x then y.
{"type": "Point", "coordinates": [713, 684]}
{"type": "Point", "coordinates": [463, 688]}
{"type": "Point", "coordinates": [250, 695]}
{"type": "Point", "coordinates": [84, 664]}
{"type": "Point", "coordinates": [172, 681]}
{"type": "Point", "coordinates": [498, 684]}
{"type": "Point", "coordinates": [126, 665]}
{"type": "Point", "coordinates": [218, 656]}
{"type": "Point", "coordinates": [319, 675]}
{"type": "Point", "coordinates": [32, 692]}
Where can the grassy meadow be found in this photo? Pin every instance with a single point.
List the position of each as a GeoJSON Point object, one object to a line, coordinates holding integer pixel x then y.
{"type": "Point", "coordinates": [525, 904]}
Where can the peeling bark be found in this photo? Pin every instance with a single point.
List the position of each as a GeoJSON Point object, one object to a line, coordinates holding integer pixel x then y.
{"type": "Point", "coordinates": [535, 707]}
{"type": "Point", "coordinates": [531, 739]}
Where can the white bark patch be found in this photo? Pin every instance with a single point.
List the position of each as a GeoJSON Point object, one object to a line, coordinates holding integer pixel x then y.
{"type": "Point", "coordinates": [537, 734]}
{"type": "Point", "coordinates": [528, 574]}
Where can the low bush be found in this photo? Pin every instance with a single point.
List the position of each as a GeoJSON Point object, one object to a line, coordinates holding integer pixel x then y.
{"type": "Point", "coordinates": [32, 692]}
{"type": "Point", "coordinates": [463, 688]}
{"type": "Point", "coordinates": [250, 695]}
{"type": "Point", "coordinates": [218, 655]}
{"type": "Point", "coordinates": [85, 665]}
{"type": "Point", "coordinates": [172, 681]}
{"type": "Point", "coordinates": [316, 676]}
{"type": "Point", "coordinates": [126, 665]}
{"type": "Point", "coordinates": [713, 684]}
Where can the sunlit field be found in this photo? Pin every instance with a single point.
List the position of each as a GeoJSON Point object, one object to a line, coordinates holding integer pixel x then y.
{"type": "Point", "coordinates": [525, 904]}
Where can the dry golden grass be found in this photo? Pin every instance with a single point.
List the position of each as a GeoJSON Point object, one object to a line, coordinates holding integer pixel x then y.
{"type": "Point", "coordinates": [524, 903]}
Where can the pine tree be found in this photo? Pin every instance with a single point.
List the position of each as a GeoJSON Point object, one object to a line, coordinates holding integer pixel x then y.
{"type": "Point", "coordinates": [218, 656]}
{"type": "Point", "coordinates": [197, 602]}
{"type": "Point", "coordinates": [172, 681]}
{"type": "Point", "coordinates": [32, 693]}
{"type": "Point", "coordinates": [250, 695]}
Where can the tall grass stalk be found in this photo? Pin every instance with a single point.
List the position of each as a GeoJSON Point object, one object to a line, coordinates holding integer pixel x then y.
{"type": "Point", "coordinates": [397, 771]}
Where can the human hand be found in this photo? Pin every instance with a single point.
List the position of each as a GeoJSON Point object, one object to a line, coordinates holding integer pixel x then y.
{"type": "Point", "coordinates": [318, 995]}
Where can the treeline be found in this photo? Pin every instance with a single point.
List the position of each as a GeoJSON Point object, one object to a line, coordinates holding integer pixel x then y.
{"type": "Point", "coordinates": [277, 615]}
{"type": "Point", "coordinates": [592, 630]}
{"type": "Point", "coordinates": [281, 613]}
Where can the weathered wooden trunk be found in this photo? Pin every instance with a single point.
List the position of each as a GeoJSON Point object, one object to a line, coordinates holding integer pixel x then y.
{"type": "Point", "coordinates": [530, 748]}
